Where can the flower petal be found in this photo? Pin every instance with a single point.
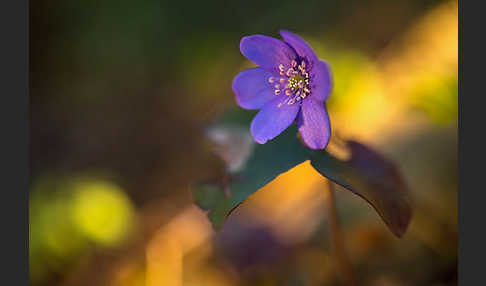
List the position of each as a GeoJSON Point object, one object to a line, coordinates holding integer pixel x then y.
{"type": "Point", "coordinates": [252, 88]}
{"type": "Point", "coordinates": [302, 48]}
{"type": "Point", "coordinates": [267, 52]}
{"type": "Point", "coordinates": [313, 123]}
{"type": "Point", "coordinates": [321, 81]}
{"type": "Point", "coordinates": [275, 116]}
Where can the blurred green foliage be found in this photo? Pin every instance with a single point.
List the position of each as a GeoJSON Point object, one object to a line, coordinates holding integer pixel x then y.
{"type": "Point", "coordinates": [437, 97]}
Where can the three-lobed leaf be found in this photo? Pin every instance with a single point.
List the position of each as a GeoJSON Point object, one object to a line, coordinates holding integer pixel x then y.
{"type": "Point", "coordinates": [366, 173]}
{"type": "Point", "coordinates": [374, 178]}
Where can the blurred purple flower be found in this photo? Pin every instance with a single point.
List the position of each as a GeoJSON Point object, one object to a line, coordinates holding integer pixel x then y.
{"type": "Point", "coordinates": [291, 83]}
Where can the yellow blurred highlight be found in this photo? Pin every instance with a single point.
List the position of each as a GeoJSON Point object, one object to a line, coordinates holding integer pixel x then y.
{"type": "Point", "coordinates": [372, 99]}
{"type": "Point", "coordinates": [437, 96]}
{"type": "Point", "coordinates": [53, 238]}
{"type": "Point", "coordinates": [128, 273]}
{"type": "Point", "coordinates": [292, 204]}
{"type": "Point", "coordinates": [102, 212]}
{"type": "Point", "coordinates": [420, 67]}
{"type": "Point", "coordinates": [366, 108]}
{"type": "Point", "coordinates": [209, 276]}
{"type": "Point", "coordinates": [63, 240]}
{"type": "Point", "coordinates": [429, 48]}
{"type": "Point", "coordinates": [187, 231]}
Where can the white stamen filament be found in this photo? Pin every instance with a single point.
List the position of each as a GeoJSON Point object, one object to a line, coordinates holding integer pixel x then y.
{"type": "Point", "coordinates": [298, 82]}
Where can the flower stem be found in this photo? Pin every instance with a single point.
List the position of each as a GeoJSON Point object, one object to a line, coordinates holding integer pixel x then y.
{"type": "Point", "coordinates": [337, 239]}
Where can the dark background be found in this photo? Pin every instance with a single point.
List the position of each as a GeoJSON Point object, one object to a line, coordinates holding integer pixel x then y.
{"type": "Point", "coordinates": [119, 94]}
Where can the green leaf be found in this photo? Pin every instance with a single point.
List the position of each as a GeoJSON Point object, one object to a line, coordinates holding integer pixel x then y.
{"type": "Point", "coordinates": [264, 164]}
{"type": "Point", "coordinates": [367, 173]}
{"type": "Point", "coordinates": [211, 197]}
{"type": "Point", "coordinates": [374, 178]}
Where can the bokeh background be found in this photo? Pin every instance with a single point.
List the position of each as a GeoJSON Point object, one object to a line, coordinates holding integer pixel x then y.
{"type": "Point", "coordinates": [121, 90]}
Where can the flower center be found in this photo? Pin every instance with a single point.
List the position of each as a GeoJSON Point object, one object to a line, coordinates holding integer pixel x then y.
{"type": "Point", "coordinates": [294, 82]}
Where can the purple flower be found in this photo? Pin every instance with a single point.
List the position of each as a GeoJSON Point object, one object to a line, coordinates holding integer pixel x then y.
{"type": "Point", "coordinates": [291, 83]}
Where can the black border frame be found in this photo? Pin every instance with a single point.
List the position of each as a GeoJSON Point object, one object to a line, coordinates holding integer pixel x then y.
{"type": "Point", "coordinates": [471, 195]}
{"type": "Point", "coordinates": [14, 112]}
